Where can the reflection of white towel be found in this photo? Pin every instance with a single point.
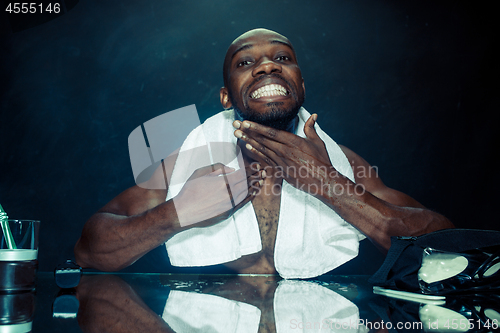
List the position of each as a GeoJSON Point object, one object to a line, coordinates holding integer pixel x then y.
{"type": "Point", "coordinates": [311, 240]}
{"type": "Point", "coordinates": [299, 306]}
{"type": "Point", "coordinates": [192, 312]}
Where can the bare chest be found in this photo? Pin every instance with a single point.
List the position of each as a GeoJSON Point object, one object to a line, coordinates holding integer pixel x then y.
{"type": "Point", "coordinates": [266, 205]}
{"type": "Point", "coordinates": [267, 210]}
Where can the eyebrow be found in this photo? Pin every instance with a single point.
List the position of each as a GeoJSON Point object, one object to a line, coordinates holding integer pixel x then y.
{"type": "Point", "coordinates": [249, 46]}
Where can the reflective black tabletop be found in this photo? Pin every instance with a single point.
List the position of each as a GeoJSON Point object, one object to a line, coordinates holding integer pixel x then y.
{"type": "Point", "coordinates": [232, 303]}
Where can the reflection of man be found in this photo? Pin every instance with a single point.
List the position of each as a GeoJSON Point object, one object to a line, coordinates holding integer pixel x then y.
{"type": "Point", "coordinates": [302, 191]}
{"type": "Point", "coordinates": [109, 304]}
{"type": "Point", "coordinates": [238, 304]}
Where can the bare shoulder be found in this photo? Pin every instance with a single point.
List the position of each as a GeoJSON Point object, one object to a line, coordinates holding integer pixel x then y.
{"type": "Point", "coordinates": [368, 176]}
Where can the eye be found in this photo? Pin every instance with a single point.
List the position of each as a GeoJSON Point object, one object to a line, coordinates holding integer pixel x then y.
{"type": "Point", "coordinates": [243, 63]}
{"type": "Point", "coordinates": [283, 58]}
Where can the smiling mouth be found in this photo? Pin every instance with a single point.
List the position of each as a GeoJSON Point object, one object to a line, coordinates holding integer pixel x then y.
{"type": "Point", "coordinates": [269, 91]}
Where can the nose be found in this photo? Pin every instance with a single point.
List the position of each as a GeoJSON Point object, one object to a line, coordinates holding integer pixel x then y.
{"type": "Point", "coordinates": [266, 66]}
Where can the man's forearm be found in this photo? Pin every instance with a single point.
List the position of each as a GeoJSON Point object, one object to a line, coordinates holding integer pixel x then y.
{"type": "Point", "coordinates": [109, 304]}
{"type": "Point", "coordinates": [374, 217]}
{"type": "Point", "coordinates": [110, 242]}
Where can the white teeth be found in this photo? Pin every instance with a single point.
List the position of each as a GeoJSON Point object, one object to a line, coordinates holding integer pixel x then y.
{"type": "Point", "coordinates": [269, 90]}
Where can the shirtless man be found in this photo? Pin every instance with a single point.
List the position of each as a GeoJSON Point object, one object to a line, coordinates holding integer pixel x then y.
{"type": "Point", "coordinates": [138, 220]}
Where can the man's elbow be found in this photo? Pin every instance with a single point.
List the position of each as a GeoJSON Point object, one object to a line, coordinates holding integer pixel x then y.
{"type": "Point", "coordinates": [81, 255]}
{"type": "Point", "coordinates": [439, 223]}
{"type": "Point", "coordinates": [430, 222]}
{"type": "Point", "coordinates": [85, 258]}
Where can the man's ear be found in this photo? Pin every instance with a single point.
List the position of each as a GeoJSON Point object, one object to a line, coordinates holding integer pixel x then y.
{"type": "Point", "coordinates": [224, 98]}
{"type": "Point", "coordinates": [303, 87]}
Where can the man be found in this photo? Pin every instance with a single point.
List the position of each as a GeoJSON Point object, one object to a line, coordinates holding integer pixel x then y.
{"type": "Point", "coordinates": [264, 86]}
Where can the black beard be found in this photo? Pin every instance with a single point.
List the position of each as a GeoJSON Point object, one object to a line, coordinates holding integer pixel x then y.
{"type": "Point", "coordinates": [278, 118]}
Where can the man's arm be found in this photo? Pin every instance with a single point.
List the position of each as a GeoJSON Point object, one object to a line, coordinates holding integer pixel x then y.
{"type": "Point", "coordinates": [133, 223]}
{"type": "Point", "coordinates": [401, 215]}
{"type": "Point", "coordinates": [109, 304]}
{"type": "Point", "coordinates": [129, 226]}
{"type": "Point", "coordinates": [139, 219]}
{"type": "Point", "coordinates": [376, 210]}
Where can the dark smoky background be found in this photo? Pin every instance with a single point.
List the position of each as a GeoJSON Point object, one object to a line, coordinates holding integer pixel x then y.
{"type": "Point", "coordinates": [408, 85]}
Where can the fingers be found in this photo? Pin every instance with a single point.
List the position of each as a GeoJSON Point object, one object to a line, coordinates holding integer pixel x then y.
{"type": "Point", "coordinates": [265, 143]}
{"type": "Point", "coordinates": [242, 184]}
{"type": "Point", "coordinates": [253, 169]}
{"type": "Point", "coordinates": [250, 183]}
{"type": "Point", "coordinates": [309, 129]}
{"type": "Point", "coordinates": [220, 172]}
{"type": "Point", "coordinates": [243, 174]}
{"type": "Point", "coordinates": [270, 135]}
{"type": "Point", "coordinates": [212, 170]}
{"type": "Point", "coordinates": [252, 189]}
{"type": "Point", "coordinates": [260, 152]}
{"type": "Point", "coordinates": [268, 132]}
{"type": "Point", "coordinates": [271, 140]}
{"type": "Point", "coordinates": [219, 168]}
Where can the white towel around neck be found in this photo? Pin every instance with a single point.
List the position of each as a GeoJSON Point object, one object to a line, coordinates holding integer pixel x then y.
{"type": "Point", "coordinates": [311, 239]}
